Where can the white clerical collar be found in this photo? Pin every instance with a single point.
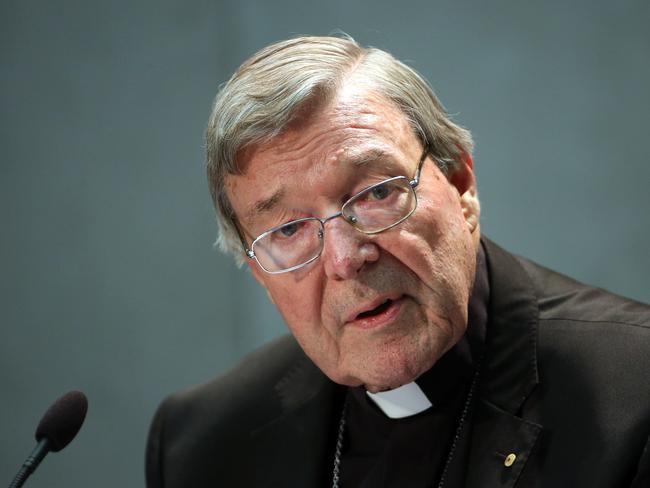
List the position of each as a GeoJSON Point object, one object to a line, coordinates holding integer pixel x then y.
{"type": "Point", "coordinates": [405, 401]}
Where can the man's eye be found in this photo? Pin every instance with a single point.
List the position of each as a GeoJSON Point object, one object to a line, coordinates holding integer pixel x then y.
{"type": "Point", "coordinates": [380, 192]}
{"type": "Point", "coordinates": [287, 230]}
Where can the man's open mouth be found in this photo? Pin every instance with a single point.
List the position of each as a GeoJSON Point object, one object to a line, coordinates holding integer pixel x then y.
{"type": "Point", "coordinates": [375, 311]}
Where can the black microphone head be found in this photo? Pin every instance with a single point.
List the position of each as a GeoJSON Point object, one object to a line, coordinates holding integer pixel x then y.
{"type": "Point", "coordinates": [63, 420]}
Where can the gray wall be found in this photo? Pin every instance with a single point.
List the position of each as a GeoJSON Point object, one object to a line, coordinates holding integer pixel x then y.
{"type": "Point", "coordinates": [108, 279]}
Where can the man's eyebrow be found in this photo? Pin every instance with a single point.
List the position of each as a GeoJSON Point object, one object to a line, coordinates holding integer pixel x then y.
{"type": "Point", "coordinates": [366, 157]}
{"type": "Point", "coordinates": [265, 204]}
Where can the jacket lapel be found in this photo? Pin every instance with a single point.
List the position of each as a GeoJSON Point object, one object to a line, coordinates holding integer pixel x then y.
{"type": "Point", "coordinates": [502, 441]}
{"type": "Point", "coordinates": [501, 446]}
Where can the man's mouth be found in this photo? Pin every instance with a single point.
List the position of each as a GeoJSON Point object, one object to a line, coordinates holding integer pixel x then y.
{"type": "Point", "coordinates": [375, 311]}
{"type": "Point", "coordinates": [381, 314]}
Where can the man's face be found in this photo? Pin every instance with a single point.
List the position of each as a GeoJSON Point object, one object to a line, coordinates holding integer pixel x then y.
{"type": "Point", "coordinates": [376, 310]}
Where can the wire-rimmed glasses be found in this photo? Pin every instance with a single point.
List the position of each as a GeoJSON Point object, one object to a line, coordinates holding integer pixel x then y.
{"type": "Point", "coordinates": [374, 209]}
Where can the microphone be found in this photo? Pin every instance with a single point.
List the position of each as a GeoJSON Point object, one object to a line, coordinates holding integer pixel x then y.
{"type": "Point", "coordinates": [56, 429]}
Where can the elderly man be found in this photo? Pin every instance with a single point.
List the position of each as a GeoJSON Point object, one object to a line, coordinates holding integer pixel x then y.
{"type": "Point", "coordinates": [421, 354]}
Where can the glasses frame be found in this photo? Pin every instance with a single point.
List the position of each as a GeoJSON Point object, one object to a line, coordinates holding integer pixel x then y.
{"type": "Point", "coordinates": [413, 183]}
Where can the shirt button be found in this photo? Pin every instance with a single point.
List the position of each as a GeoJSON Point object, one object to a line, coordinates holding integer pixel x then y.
{"type": "Point", "coordinates": [510, 460]}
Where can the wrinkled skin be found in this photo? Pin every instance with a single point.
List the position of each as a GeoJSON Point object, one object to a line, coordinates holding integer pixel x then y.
{"type": "Point", "coordinates": [426, 264]}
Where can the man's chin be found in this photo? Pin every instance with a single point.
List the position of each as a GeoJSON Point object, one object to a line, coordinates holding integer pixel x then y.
{"type": "Point", "coordinates": [391, 384]}
{"type": "Point", "coordinates": [385, 369]}
{"type": "Point", "coordinates": [378, 389]}
{"type": "Point", "coordinates": [374, 383]}
{"type": "Point", "coordinates": [389, 380]}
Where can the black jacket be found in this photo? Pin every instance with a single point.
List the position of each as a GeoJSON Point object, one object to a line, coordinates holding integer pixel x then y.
{"type": "Point", "coordinates": [565, 386]}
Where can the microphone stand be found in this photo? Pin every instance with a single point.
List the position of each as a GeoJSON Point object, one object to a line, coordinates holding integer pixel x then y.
{"type": "Point", "coordinates": [31, 463]}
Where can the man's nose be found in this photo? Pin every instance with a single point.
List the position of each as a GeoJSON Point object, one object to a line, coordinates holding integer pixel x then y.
{"type": "Point", "coordinates": [346, 250]}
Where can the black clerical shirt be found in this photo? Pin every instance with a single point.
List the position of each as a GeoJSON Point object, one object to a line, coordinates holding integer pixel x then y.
{"type": "Point", "coordinates": [412, 452]}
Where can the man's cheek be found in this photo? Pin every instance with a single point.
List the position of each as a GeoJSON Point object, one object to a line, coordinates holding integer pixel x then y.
{"type": "Point", "coordinates": [297, 308]}
{"type": "Point", "coordinates": [415, 251]}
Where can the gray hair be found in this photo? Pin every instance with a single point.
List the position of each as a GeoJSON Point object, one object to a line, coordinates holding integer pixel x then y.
{"type": "Point", "coordinates": [267, 92]}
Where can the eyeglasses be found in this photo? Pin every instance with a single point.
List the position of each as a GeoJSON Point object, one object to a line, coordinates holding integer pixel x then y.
{"type": "Point", "coordinates": [297, 243]}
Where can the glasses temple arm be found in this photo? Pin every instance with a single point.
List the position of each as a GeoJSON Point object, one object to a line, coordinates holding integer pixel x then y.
{"type": "Point", "coordinates": [416, 179]}
{"type": "Point", "coordinates": [235, 224]}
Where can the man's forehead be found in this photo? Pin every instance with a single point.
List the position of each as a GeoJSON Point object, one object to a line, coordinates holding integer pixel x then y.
{"type": "Point", "coordinates": [277, 188]}
{"type": "Point", "coordinates": [355, 129]}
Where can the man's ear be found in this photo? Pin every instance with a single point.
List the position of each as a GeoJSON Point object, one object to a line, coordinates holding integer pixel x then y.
{"type": "Point", "coordinates": [462, 178]}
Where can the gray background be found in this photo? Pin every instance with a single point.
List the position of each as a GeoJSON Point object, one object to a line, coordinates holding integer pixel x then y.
{"type": "Point", "coordinates": [108, 279]}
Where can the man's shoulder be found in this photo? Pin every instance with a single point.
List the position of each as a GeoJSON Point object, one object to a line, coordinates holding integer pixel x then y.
{"type": "Point", "coordinates": [587, 335]}
{"type": "Point", "coordinates": [564, 299]}
{"type": "Point", "coordinates": [249, 390]}
{"type": "Point", "coordinates": [237, 418]}
{"type": "Point", "coordinates": [558, 297]}
{"type": "Point", "coordinates": [571, 326]}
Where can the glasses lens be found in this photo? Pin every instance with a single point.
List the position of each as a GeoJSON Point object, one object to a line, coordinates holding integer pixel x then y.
{"type": "Point", "coordinates": [381, 206]}
{"type": "Point", "coordinates": [290, 245]}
